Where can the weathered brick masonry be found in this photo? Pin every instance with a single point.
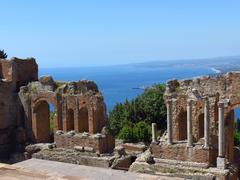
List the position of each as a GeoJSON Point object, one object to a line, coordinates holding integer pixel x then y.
{"type": "Point", "coordinates": [13, 74]}
{"type": "Point", "coordinates": [26, 104]}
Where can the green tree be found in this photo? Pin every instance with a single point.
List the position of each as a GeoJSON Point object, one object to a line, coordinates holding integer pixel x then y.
{"type": "Point", "coordinates": [3, 55]}
{"type": "Point", "coordinates": [142, 131]}
{"type": "Point", "coordinates": [146, 108]}
{"type": "Point", "coordinates": [127, 132]}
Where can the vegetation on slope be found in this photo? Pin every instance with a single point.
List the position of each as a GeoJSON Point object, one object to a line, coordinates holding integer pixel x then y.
{"type": "Point", "coordinates": [131, 120]}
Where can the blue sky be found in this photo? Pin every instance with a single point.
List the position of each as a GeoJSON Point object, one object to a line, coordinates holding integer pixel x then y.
{"type": "Point", "coordinates": [106, 32]}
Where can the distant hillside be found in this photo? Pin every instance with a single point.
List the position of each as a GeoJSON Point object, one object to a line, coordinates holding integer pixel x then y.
{"type": "Point", "coordinates": [221, 64]}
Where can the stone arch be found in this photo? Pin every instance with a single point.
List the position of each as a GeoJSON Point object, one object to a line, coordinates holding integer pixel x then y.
{"type": "Point", "coordinates": [70, 119]}
{"type": "Point", "coordinates": [41, 122]}
{"type": "Point", "coordinates": [182, 125]}
{"type": "Point", "coordinates": [83, 123]}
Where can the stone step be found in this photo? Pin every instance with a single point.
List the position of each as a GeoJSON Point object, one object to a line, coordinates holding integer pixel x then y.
{"type": "Point", "coordinates": [181, 163]}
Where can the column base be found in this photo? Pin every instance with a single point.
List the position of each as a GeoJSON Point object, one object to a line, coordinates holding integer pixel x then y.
{"type": "Point", "coordinates": [206, 147]}
{"type": "Point", "coordinates": [169, 142]}
{"type": "Point", "coordinates": [221, 163]}
{"type": "Point", "coordinates": [189, 145]}
{"type": "Point", "coordinates": [154, 142]}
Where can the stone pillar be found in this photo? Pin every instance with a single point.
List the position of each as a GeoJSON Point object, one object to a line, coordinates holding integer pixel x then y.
{"type": "Point", "coordinates": [221, 134]}
{"type": "Point", "coordinates": [169, 122]}
{"type": "Point", "coordinates": [189, 123]}
{"type": "Point", "coordinates": [154, 133]}
{"type": "Point", "coordinates": [221, 162]}
{"type": "Point", "coordinates": [206, 123]}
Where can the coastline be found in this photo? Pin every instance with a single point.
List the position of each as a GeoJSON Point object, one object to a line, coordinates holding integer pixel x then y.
{"type": "Point", "coordinates": [215, 70]}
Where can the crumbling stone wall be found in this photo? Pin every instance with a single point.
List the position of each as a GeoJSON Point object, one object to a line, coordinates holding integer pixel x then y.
{"type": "Point", "coordinates": [99, 143]}
{"type": "Point", "coordinates": [11, 111]}
{"type": "Point", "coordinates": [78, 106]}
{"type": "Point", "coordinates": [223, 88]}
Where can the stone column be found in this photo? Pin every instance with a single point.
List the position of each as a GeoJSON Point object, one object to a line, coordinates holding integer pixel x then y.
{"type": "Point", "coordinates": [154, 133]}
{"type": "Point", "coordinates": [221, 137]}
{"type": "Point", "coordinates": [189, 123]}
{"type": "Point", "coordinates": [206, 123]}
{"type": "Point", "coordinates": [221, 134]}
{"type": "Point", "coordinates": [169, 122]}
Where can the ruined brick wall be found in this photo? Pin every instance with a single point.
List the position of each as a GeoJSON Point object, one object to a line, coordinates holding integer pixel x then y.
{"type": "Point", "coordinates": [77, 106]}
{"type": "Point", "coordinates": [223, 87]}
{"type": "Point", "coordinates": [24, 71]}
{"type": "Point", "coordinates": [11, 112]}
{"type": "Point", "coordinates": [6, 70]}
{"type": "Point", "coordinates": [180, 152]}
{"type": "Point", "coordinates": [100, 143]}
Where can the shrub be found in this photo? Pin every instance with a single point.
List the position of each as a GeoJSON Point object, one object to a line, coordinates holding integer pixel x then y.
{"type": "Point", "coordinates": [142, 131]}
{"type": "Point", "coordinates": [236, 137]}
{"type": "Point", "coordinates": [127, 133]}
{"type": "Point", "coordinates": [136, 132]}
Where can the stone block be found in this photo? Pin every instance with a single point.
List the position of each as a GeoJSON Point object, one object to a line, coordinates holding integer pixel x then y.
{"type": "Point", "coordinates": [79, 148]}
{"type": "Point", "coordinates": [88, 149]}
{"type": "Point", "coordinates": [221, 163]}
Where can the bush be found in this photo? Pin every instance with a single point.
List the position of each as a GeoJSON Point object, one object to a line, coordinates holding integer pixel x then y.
{"type": "Point", "coordinates": [142, 131]}
{"type": "Point", "coordinates": [127, 133]}
{"type": "Point", "coordinates": [236, 137]}
{"type": "Point", "coordinates": [136, 132]}
{"type": "Point", "coordinates": [145, 109]}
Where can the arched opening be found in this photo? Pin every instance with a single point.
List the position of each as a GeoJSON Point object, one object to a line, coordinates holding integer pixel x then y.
{"type": "Point", "coordinates": [70, 120]}
{"type": "Point", "coordinates": [201, 126]}
{"type": "Point", "coordinates": [182, 126]}
{"type": "Point", "coordinates": [42, 122]}
{"type": "Point", "coordinates": [83, 120]}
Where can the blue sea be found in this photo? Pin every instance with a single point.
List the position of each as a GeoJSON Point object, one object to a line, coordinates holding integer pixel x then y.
{"type": "Point", "coordinates": [118, 83]}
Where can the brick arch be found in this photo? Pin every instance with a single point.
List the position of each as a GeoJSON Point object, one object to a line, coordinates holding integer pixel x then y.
{"type": "Point", "coordinates": [83, 120]}
{"type": "Point", "coordinates": [50, 99]}
{"type": "Point", "coordinates": [70, 119]}
{"type": "Point", "coordinates": [182, 125]}
{"type": "Point", "coordinates": [41, 122]}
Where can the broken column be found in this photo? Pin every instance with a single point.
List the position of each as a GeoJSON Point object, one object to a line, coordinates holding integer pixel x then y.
{"type": "Point", "coordinates": [206, 123]}
{"type": "Point", "coordinates": [189, 123]}
{"type": "Point", "coordinates": [169, 122]}
{"type": "Point", "coordinates": [154, 133]}
{"type": "Point", "coordinates": [221, 162]}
